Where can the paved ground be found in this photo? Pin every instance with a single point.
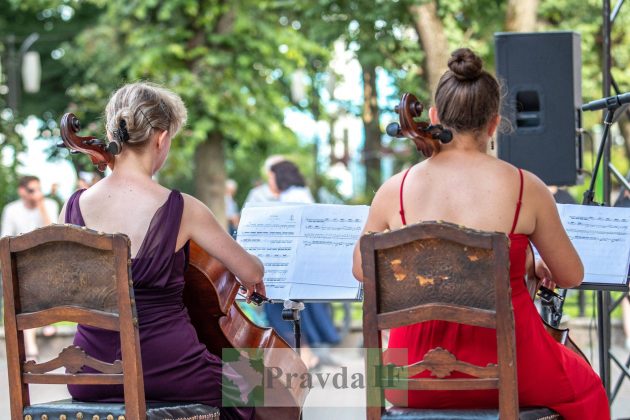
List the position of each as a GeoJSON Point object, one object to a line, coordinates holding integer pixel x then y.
{"type": "Point", "coordinates": [329, 403]}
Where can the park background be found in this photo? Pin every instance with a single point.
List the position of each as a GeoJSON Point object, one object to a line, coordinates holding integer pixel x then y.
{"type": "Point", "coordinates": [316, 81]}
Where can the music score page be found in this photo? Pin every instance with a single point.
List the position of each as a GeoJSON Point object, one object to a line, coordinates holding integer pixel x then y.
{"type": "Point", "coordinates": [601, 236]}
{"type": "Point", "coordinates": [306, 248]}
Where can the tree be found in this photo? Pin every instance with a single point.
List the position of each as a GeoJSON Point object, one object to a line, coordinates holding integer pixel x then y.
{"type": "Point", "coordinates": [228, 61]}
{"type": "Point", "coordinates": [375, 31]}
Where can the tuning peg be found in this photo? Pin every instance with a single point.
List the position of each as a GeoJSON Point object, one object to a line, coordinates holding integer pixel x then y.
{"type": "Point", "coordinates": [95, 142]}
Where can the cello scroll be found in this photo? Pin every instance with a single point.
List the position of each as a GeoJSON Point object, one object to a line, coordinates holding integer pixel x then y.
{"type": "Point", "coordinates": [427, 137]}
{"type": "Point", "coordinates": [101, 154]}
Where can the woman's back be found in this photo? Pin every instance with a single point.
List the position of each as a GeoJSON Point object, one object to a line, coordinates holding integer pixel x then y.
{"type": "Point", "coordinates": [114, 205]}
{"type": "Point", "coordinates": [476, 191]}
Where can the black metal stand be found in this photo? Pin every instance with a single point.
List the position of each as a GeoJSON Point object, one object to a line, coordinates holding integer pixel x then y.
{"type": "Point", "coordinates": [603, 297]}
{"type": "Point", "coordinates": [291, 313]}
{"type": "Point", "coordinates": [589, 195]}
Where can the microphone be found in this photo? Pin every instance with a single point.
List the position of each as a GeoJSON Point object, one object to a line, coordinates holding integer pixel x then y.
{"type": "Point", "coordinates": [611, 103]}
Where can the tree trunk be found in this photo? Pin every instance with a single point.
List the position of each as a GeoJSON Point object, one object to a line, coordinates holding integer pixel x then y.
{"type": "Point", "coordinates": [371, 129]}
{"type": "Point", "coordinates": [210, 172]}
{"type": "Point", "coordinates": [521, 15]}
{"type": "Point", "coordinates": [210, 175]}
{"type": "Point", "coordinates": [433, 41]}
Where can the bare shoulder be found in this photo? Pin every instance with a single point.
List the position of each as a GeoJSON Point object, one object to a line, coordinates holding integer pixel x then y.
{"type": "Point", "coordinates": [536, 187]}
{"type": "Point", "coordinates": [390, 188]}
{"type": "Point", "coordinates": [531, 183]}
{"type": "Point", "coordinates": [193, 205]}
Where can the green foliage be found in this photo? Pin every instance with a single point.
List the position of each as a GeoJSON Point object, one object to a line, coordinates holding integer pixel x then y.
{"type": "Point", "coordinates": [55, 23]}
{"type": "Point", "coordinates": [231, 64]}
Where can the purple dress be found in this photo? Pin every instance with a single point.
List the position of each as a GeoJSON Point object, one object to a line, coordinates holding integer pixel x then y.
{"type": "Point", "coordinates": [176, 366]}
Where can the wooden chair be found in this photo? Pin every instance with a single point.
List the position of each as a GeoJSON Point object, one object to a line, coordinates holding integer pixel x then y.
{"type": "Point", "coordinates": [440, 271]}
{"type": "Point", "coordinates": [67, 273]}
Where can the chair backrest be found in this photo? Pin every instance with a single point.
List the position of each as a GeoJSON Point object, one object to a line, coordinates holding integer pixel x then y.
{"type": "Point", "coordinates": [68, 273]}
{"type": "Point", "coordinates": [438, 271]}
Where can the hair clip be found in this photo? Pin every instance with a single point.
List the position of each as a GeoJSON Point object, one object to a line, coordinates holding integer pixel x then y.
{"type": "Point", "coordinates": [121, 131]}
{"type": "Point", "coordinates": [146, 118]}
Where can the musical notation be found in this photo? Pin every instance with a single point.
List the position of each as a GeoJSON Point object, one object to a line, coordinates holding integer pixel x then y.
{"type": "Point", "coordinates": [306, 249]}
{"type": "Point", "coordinates": [601, 236]}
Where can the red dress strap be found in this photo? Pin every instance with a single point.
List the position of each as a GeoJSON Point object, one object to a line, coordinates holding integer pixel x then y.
{"type": "Point", "coordinates": [518, 204]}
{"type": "Point", "coordinates": [402, 207]}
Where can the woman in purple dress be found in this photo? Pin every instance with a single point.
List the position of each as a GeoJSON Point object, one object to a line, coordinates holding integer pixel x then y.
{"type": "Point", "coordinates": [143, 118]}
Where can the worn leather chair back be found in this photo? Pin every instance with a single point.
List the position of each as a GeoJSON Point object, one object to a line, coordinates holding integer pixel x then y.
{"type": "Point", "coordinates": [438, 271]}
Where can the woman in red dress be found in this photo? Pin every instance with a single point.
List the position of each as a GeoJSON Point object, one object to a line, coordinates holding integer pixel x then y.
{"type": "Point", "coordinates": [462, 184]}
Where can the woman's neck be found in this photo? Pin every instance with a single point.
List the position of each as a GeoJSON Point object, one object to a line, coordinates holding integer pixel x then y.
{"type": "Point", "coordinates": [133, 166]}
{"type": "Point", "coordinates": [466, 143]}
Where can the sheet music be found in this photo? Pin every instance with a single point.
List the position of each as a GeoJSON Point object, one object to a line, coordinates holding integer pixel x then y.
{"type": "Point", "coordinates": [601, 236]}
{"type": "Point", "coordinates": [306, 249]}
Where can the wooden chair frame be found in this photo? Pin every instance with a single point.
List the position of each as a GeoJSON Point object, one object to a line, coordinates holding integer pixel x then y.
{"type": "Point", "coordinates": [500, 317]}
{"type": "Point", "coordinates": [121, 318]}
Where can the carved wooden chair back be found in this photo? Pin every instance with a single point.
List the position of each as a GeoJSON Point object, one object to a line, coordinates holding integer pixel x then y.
{"type": "Point", "coordinates": [67, 273]}
{"type": "Point", "coordinates": [439, 271]}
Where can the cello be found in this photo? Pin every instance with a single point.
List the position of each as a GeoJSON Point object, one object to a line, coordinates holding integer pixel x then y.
{"type": "Point", "coordinates": [427, 139]}
{"type": "Point", "coordinates": [210, 292]}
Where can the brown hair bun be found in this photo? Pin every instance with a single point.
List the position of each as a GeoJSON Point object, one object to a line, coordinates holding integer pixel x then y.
{"type": "Point", "coordinates": [465, 64]}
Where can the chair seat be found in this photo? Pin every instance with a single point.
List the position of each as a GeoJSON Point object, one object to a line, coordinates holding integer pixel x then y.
{"type": "Point", "coordinates": [532, 413]}
{"type": "Point", "coordinates": [107, 411]}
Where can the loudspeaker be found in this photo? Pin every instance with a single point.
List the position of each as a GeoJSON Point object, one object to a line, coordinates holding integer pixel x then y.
{"type": "Point", "coordinates": [541, 73]}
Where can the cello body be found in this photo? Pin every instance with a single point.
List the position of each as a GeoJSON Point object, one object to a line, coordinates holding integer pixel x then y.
{"type": "Point", "coordinates": [209, 295]}
{"type": "Point", "coordinates": [561, 335]}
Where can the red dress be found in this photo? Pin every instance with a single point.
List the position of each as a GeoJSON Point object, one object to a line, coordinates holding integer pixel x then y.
{"type": "Point", "coordinates": [549, 374]}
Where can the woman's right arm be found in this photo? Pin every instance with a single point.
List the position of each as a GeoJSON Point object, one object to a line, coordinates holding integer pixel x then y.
{"type": "Point", "coordinates": [200, 225]}
{"type": "Point", "coordinates": [551, 240]}
{"type": "Point", "coordinates": [376, 220]}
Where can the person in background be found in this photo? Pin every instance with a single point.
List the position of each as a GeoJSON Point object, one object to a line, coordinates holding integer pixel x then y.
{"type": "Point", "coordinates": [82, 184]}
{"type": "Point", "coordinates": [262, 193]}
{"type": "Point", "coordinates": [30, 212]}
{"type": "Point", "coordinates": [54, 194]}
{"type": "Point", "coordinates": [231, 208]}
{"type": "Point", "coordinates": [561, 196]}
{"type": "Point", "coordinates": [96, 176]}
{"type": "Point", "coordinates": [286, 182]}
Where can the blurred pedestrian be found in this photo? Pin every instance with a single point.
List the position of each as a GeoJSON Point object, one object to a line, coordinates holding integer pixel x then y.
{"type": "Point", "coordinates": [231, 208]}
{"type": "Point", "coordinates": [561, 196]}
{"type": "Point", "coordinates": [30, 212]}
{"type": "Point", "coordinates": [54, 194]}
{"type": "Point", "coordinates": [262, 193]}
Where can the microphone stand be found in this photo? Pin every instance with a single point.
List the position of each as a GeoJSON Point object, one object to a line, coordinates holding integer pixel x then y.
{"type": "Point", "coordinates": [588, 198]}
